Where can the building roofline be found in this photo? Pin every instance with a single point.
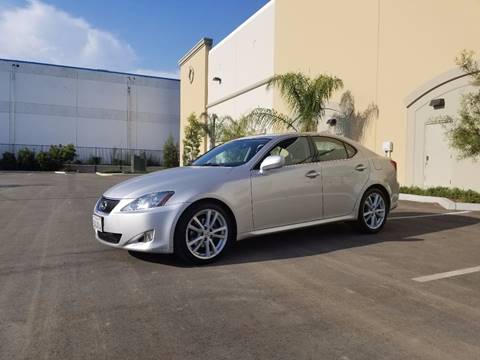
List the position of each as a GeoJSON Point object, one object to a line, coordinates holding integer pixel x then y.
{"type": "Point", "coordinates": [88, 69]}
{"type": "Point", "coordinates": [203, 42]}
{"type": "Point", "coordinates": [245, 23]}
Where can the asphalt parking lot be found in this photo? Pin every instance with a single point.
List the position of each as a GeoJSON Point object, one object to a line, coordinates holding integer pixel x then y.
{"type": "Point", "coordinates": [319, 293]}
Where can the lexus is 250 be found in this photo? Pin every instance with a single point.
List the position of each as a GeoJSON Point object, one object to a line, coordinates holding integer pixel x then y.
{"type": "Point", "coordinates": [246, 187]}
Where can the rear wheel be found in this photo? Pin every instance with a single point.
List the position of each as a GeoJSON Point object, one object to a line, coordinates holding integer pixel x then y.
{"type": "Point", "coordinates": [372, 213]}
{"type": "Point", "coordinates": [203, 233]}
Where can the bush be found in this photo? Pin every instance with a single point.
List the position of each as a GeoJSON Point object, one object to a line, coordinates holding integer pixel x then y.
{"type": "Point", "coordinates": [9, 162]}
{"type": "Point", "coordinates": [55, 157]}
{"type": "Point", "coordinates": [170, 153]}
{"type": "Point", "coordinates": [26, 160]}
{"type": "Point", "coordinates": [95, 160]}
{"type": "Point", "coordinates": [454, 194]}
{"type": "Point", "coordinates": [192, 140]}
{"type": "Point", "coordinates": [48, 163]}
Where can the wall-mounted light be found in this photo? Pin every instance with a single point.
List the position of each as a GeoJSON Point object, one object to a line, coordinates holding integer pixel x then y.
{"type": "Point", "coordinates": [216, 78]}
{"type": "Point", "coordinates": [437, 103]}
{"type": "Point", "coordinates": [332, 122]}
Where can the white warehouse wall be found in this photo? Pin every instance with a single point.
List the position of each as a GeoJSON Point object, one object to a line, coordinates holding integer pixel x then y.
{"type": "Point", "coordinates": [243, 61]}
{"type": "Point", "coordinates": [44, 104]}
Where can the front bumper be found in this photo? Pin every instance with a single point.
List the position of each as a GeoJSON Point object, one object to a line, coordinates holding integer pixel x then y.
{"type": "Point", "coordinates": [130, 227]}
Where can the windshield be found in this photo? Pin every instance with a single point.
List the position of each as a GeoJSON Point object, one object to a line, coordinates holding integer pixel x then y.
{"type": "Point", "coordinates": [233, 153]}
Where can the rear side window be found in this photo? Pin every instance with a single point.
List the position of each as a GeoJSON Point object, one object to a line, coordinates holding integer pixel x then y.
{"type": "Point", "coordinates": [351, 151]}
{"type": "Point", "coordinates": [294, 150]}
{"type": "Point", "coordinates": [328, 149]}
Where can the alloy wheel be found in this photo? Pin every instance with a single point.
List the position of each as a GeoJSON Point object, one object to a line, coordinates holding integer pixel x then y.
{"type": "Point", "coordinates": [206, 234]}
{"type": "Point", "coordinates": [374, 211]}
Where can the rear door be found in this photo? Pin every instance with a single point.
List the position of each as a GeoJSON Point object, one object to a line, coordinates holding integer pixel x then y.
{"type": "Point", "coordinates": [344, 174]}
{"type": "Point", "coordinates": [291, 194]}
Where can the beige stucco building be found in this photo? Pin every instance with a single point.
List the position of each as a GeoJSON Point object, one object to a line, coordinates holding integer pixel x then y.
{"type": "Point", "coordinates": [396, 54]}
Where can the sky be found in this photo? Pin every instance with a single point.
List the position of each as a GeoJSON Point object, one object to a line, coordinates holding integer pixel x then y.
{"type": "Point", "coordinates": [139, 36]}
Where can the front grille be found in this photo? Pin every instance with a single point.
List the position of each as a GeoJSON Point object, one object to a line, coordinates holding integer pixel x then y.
{"type": "Point", "coordinates": [109, 237]}
{"type": "Point", "coordinates": [105, 205]}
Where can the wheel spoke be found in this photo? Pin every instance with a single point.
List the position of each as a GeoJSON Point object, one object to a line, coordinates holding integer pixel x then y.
{"type": "Point", "coordinates": [198, 245]}
{"type": "Point", "coordinates": [207, 220]}
{"type": "Point", "coordinates": [213, 245]}
{"type": "Point", "coordinates": [194, 241]}
{"type": "Point", "coordinates": [207, 247]}
{"type": "Point", "coordinates": [194, 228]}
{"type": "Point", "coordinates": [198, 222]}
{"type": "Point", "coordinates": [215, 216]}
{"type": "Point", "coordinates": [219, 236]}
{"type": "Point", "coordinates": [214, 231]}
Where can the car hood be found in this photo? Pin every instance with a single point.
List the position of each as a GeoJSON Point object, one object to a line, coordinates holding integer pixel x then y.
{"type": "Point", "coordinates": [176, 179]}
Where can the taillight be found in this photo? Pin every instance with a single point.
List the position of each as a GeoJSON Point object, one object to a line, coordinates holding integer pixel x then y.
{"type": "Point", "coordinates": [394, 164]}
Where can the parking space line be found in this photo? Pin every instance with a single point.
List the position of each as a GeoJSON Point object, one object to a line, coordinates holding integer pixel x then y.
{"type": "Point", "coordinates": [429, 215]}
{"type": "Point", "coordinates": [447, 274]}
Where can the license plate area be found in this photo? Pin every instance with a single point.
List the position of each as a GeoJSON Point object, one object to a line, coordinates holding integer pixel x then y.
{"type": "Point", "coordinates": [97, 222]}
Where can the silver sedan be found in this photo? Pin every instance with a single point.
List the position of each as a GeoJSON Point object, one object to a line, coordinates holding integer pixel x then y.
{"type": "Point", "coordinates": [246, 187]}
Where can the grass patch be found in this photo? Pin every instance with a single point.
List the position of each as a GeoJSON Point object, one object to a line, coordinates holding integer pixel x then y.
{"type": "Point", "coordinates": [455, 194]}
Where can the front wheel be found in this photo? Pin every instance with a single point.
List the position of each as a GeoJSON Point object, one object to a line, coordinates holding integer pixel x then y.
{"type": "Point", "coordinates": [372, 213]}
{"type": "Point", "coordinates": [203, 233]}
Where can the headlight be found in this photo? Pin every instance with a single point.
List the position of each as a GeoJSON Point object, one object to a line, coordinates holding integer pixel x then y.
{"type": "Point", "coordinates": [149, 201]}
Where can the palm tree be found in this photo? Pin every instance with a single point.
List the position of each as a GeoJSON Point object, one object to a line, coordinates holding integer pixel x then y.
{"type": "Point", "coordinates": [212, 127]}
{"type": "Point", "coordinates": [220, 129]}
{"type": "Point", "coordinates": [234, 129]}
{"type": "Point", "coordinates": [306, 98]}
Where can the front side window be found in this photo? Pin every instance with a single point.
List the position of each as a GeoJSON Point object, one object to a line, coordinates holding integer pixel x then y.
{"type": "Point", "coordinates": [328, 149]}
{"type": "Point", "coordinates": [294, 150]}
{"type": "Point", "coordinates": [233, 153]}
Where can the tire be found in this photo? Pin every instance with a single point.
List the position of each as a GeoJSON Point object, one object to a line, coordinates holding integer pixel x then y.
{"type": "Point", "coordinates": [203, 234]}
{"type": "Point", "coordinates": [370, 220]}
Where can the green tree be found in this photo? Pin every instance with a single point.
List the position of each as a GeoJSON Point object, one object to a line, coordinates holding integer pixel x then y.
{"type": "Point", "coordinates": [212, 127]}
{"type": "Point", "coordinates": [234, 129]}
{"type": "Point", "coordinates": [464, 132]}
{"type": "Point", "coordinates": [306, 97]}
{"type": "Point", "coordinates": [170, 153]}
{"type": "Point", "coordinates": [26, 159]}
{"type": "Point", "coordinates": [192, 140]}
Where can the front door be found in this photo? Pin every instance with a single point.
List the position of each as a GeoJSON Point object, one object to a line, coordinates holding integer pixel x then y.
{"type": "Point", "coordinates": [291, 194]}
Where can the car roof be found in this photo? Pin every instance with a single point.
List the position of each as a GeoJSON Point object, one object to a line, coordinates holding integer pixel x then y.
{"type": "Point", "coordinates": [278, 136]}
{"type": "Point", "coordinates": [293, 134]}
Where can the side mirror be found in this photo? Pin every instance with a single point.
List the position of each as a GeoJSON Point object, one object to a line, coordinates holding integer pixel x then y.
{"type": "Point", "coordinates": [272, 162]}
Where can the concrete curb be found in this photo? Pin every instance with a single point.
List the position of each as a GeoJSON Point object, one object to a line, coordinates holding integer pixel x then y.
{"type": "Point", "coordinates": [108, 174]}
{"type": "Point", "coordinates": [444, 202]}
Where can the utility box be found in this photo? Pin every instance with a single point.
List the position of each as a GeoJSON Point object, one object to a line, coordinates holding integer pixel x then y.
{"type": "Point", "coordinates": [139, 164]}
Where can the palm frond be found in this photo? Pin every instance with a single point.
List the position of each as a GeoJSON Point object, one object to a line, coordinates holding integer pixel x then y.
{"type": "Point", "coordinates": [306, 97]}
{"type": "Point", "coordinates": [271, 119]}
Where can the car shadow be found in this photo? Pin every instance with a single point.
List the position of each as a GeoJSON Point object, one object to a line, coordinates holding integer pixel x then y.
{"type": "Point", "coordinates": [326, 238]}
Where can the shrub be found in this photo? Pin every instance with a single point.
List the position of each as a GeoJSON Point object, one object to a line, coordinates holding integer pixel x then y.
{"type": "Point", "coordinates": [48, 163]}
{"type": "Point", "coordinates": [67, 152]}
{"type": "Point", "coordinates": [55, 157]}
{"type": "Point", "coordinates": [26, 160]}
{"type": "Point", "coordinates": [454, 194]}
{"type": "Point", "coordinates": [9, 162]}
{"type": "Point", "coordinates": [95, 160]}
{"type": "Point", "coordinates": [170, 153]}
{"type": "Point", "coordinates": [192, 140]}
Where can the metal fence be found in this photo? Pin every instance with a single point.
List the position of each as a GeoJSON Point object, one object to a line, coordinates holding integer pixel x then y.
{"type": "Point", "coordinates": [95, 155]}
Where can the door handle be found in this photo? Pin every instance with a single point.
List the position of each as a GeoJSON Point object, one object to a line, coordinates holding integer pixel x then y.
{"type": "Point", "coordinates": [360, 167]}
{"type": "Point", "coordinates": [312, 174]}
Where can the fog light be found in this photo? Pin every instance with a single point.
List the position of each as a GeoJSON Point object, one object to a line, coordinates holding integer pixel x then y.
{"type": "Point", "coordinates": [149, 236]}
